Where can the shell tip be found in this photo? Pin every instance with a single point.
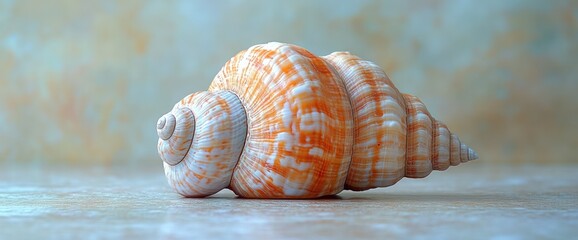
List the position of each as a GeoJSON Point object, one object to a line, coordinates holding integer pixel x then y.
{"type": "Point", "coordinates": [472, 155]}
{"type": "Point", "coordinates": [166, 126]}
{"type": "Point", "coordinates": [161, 122]}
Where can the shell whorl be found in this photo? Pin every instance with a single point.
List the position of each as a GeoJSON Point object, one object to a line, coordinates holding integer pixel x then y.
{"type": "Point", "coordinates": [175, 130]}
{"type": "Point", "coordinates": [166, 126]}
{"type": "Point", "coordinates": [298, 143]}
{"type": "Point", "coordinates": [395, 135]}
{"type": "Point", "coordinates": [280, 122]}
{"type": "Point", "coordinates": [216, 134]}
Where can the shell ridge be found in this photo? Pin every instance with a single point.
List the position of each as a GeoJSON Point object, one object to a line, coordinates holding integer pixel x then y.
{"type": "Point", "coordinates": [247, 124]}
{"type": "Point", "coordinates": [335, 70]}
{"type": "Point", "coordinates": [418, 162]}
{"type": "Point", "coordinates": [370, 88]}
{"type": "Point", "coordinates": [353, 116]}
{"type": "Point", "coordinates": [434, 142]}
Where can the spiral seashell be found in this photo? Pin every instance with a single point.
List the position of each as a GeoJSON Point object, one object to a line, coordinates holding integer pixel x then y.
{"type": "Point", "coordinates": [280, 122]}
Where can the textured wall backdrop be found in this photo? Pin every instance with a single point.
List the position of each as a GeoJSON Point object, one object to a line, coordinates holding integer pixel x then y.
{"type": "Point", "coordinates": [83, 82]}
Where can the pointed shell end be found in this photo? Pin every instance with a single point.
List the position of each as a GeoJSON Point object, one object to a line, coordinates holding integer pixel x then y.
{"type": "Point", "coordinates": [166, 126]}
{"type": "Point", "coordinates": [472, 155]}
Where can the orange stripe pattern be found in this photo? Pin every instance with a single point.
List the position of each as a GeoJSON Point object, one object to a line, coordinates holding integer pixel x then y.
{"type": "Point", "coordinates": [281, 122]}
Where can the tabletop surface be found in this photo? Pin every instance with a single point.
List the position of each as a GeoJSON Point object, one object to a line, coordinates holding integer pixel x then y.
{"type": "Point", "coordinates": [472, 201]}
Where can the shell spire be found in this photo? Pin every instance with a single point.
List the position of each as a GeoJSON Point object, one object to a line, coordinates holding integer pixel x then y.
{"type": "Point", "coordinates": [280, 122]}
{"type": "Point", "coordinates": [395, 135]}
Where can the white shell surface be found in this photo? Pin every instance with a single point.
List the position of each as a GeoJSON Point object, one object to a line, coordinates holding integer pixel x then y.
{"type": "Point", "coordinates": [220, 132]}
{"type": "Point", "coordinates": [166, 126]}
{"type": "Point", "coordinates": [175, 135]}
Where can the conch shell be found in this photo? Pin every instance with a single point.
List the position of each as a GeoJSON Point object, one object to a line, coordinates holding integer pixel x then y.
{"type": "Point", "coordinates": [280, 122]}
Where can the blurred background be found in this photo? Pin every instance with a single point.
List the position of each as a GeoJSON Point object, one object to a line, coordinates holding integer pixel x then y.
{"type": "Point", "coordinates": [82, 83]}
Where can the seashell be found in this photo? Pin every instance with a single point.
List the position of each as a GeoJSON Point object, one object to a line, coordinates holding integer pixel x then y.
{"type": "Point", "coordinates": [280, 122]}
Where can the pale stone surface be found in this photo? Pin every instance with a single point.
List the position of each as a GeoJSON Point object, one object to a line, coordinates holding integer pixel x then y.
{"type": "Point", "coordinates": [467, 202]}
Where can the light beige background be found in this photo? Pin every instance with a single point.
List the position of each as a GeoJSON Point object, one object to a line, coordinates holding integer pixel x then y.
{"type": "Point", "coordinates": [83, 82]}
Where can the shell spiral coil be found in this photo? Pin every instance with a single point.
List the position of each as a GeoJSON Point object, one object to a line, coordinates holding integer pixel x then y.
{"type": "Point", "coordinates": [280, 122]}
